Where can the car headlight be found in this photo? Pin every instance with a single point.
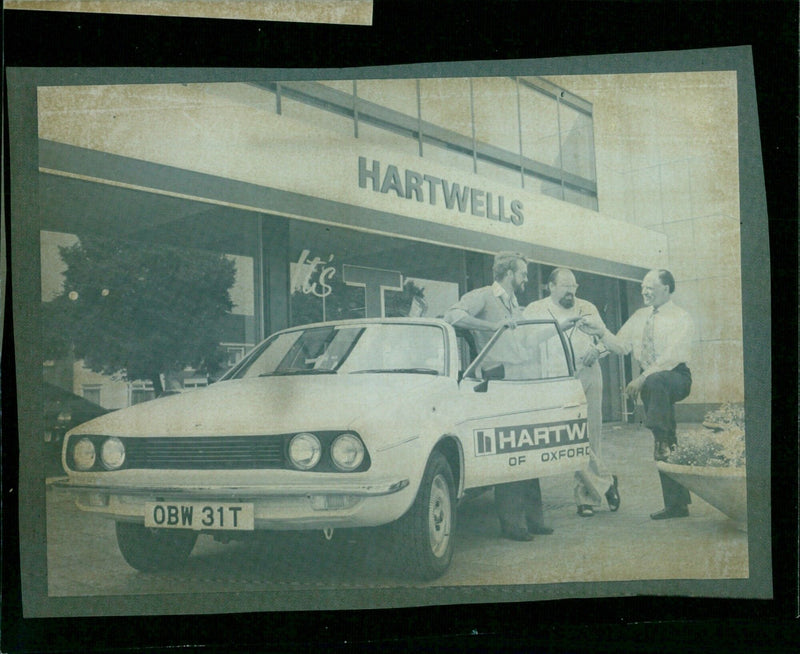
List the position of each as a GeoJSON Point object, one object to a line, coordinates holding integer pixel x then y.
{"type": "Point", "coordinates": [83, 454]}
{"type": "Point", "coordinates": [305, 450]}
{"type": "Point", "coordinates": [112, 453]}
{"type": "Point", "coordinates": [347, 452]}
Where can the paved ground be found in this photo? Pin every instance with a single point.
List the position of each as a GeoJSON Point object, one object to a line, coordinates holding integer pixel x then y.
{"type": "Point", "coordinates": [626, 545]}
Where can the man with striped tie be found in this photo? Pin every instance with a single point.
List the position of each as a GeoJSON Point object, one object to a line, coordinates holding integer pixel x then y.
{"type": "Point", "coordinates": [659, 336]}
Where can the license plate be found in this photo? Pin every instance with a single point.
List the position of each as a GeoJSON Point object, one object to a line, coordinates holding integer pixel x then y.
{"type": "Point", "coordinates": [199, 515]}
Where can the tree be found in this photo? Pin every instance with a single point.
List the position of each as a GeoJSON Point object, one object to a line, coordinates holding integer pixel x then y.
{"type": "Point", "coordinates": [140, 309]}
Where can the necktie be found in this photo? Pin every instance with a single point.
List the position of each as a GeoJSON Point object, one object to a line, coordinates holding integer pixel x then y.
{"type": "Point", "coordinates": [648, 341]}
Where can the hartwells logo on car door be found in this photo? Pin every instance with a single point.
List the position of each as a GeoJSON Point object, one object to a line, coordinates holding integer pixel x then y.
{"type": "Point", "coordinates": [502, 440]}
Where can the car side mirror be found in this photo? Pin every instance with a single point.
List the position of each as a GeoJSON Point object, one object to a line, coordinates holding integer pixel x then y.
{"type": "Point", "coordinates": [482, 387]}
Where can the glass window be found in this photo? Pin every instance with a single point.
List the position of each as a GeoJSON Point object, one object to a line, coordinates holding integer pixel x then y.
{"type": "Point", "coordinates": [496, 121]}
{"type": "Point", "coordinates": [398, 348]}
{"type": "Point", "coordinates": [397, 94]}
{"type": "Point", "coordinates": [544, 186]}
{"type": "Point", "coordinates": [142, 293]}
{"type": "Point", "coordinates": [502, 174]}
{"type": "Point", "coordinates": [357, 349]}
{"type": "Point", "coordinates": [446, 103]}
{"type": "Point", "coordinates": [234, 354]}
{"type": "Point", "coordinates": [421, 298]}
{"type": "Point", "coordinates": [580, 197]}
{"type": "Point", "coordinates": [384, 138]}
{"type": "Point", "coordinates": [530, 352]}
{"type": "Point", "coordinates": [142, 392]}
{"type": "Point", "coordinates": [539, 126]}
{"type": "Point", "coordinates": [343, 85]}
{"type": "Point", "coordinates": [317, 117]}
{"type": "Point", "coordinates": [577, 142]}
{"type": "Point", "coordinates": [92, 393]}
{"type": "Point", "coordinates": [428, 274]}
{"type": "Point", "coordinates": [448, 157]}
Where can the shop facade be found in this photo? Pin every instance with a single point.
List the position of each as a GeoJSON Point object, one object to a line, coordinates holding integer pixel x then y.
{"type": "Point", "coordinates": [341, 199]}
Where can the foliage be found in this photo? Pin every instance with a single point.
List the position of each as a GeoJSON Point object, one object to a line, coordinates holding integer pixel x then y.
{"type": "Point", "coordinates": [728, 416]}
{"type": "Point", "coordinates": [721, 443]}
{"type": "Point", "coordinates": [139, 309]}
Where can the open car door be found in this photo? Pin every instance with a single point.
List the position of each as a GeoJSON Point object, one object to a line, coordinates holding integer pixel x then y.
{"type": "Point", "coordinates": [523, 410]}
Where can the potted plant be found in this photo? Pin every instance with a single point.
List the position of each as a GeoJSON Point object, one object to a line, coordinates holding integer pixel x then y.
{"type": "Point", "coordinates": [710, 461]}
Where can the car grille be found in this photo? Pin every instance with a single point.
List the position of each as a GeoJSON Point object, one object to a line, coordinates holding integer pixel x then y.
{"type": "Point", "coordinates": [207, 452]}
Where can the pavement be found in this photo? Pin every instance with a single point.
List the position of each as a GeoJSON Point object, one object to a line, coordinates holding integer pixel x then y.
{"type": "Point", "coordinates": [610, 546]}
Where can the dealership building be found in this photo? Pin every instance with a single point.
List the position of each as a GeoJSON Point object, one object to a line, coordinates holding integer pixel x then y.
{"type": "Point", "coordinates": [334, 197]}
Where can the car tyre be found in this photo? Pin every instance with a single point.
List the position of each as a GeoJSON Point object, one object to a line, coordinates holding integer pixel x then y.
{"type": "Point", "coordinates": [154, 550]}
{"type": "Point", "coordinates": [424, 536]}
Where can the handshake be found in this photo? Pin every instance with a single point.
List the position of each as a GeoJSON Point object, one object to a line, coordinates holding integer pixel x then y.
{"type": "Point", "coordinates": [591, 325]}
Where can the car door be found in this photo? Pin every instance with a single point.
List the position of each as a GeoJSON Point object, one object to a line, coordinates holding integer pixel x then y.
{"type": "Point", "coordinates": [522, 410]}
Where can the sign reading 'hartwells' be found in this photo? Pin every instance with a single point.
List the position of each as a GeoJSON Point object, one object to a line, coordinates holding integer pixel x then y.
{"type": "Point", "coordinates": [410, 184]}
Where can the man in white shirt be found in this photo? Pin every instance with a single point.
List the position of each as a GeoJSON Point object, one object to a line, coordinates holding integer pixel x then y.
{"type": "Point", "coordinates": [595, 482]}
{"type": "Point", "coordinates": [659, 336]}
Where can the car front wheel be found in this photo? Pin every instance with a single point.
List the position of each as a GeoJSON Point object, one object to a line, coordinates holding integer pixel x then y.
{"type": "Point", "coordinates": [153, 550]}
{"type": "Point", "coordinates": [425, 534]}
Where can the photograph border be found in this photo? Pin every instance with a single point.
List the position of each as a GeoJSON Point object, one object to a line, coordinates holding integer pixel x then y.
{"type": "Point", "coordinates": [755, 308]}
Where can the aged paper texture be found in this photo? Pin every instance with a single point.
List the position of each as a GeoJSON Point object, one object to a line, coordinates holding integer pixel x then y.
{"type": "Point", "coordinates": [313, 200]}
{"type": "Point", "coordinates": [343, 12]}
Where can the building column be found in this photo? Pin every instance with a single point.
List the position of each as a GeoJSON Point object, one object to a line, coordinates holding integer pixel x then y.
{"type": "Point", "coordinates": [272, 275]}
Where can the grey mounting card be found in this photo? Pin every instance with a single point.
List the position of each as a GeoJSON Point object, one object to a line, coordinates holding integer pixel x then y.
{"type": "Point", "coordinates": [380, 191]}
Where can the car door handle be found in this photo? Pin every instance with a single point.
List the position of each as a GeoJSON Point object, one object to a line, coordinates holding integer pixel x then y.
{"type": "Point", "coordinates": [571, 406]}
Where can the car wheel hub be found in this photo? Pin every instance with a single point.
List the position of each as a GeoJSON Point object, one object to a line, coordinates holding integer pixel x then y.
{"type": "Point", "coordinates": [439, 516]}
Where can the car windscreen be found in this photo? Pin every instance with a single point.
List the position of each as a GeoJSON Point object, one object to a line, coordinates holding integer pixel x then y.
{"type": "Point", "coordinates": [370, 348]}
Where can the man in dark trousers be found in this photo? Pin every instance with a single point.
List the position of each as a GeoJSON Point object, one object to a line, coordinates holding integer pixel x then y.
{"type": "Point", "coordinates": [659, 336]}
{"type": "Point", "coordinates": [483, 311]}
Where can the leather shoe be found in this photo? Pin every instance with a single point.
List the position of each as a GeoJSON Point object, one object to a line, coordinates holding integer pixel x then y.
{"type": "Point", "coordinates": [673, 512]}
{"type": "Point", "coordinates": [539, 530]}
{"type": "Point", "coordinates": [517, 534]}
{"type": "Point", "coordinates": [612, 495]}
{"type": "Point", "coordinates": [585, 511]}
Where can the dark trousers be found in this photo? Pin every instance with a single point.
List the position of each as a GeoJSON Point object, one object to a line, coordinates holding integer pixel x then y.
{"type": "Point", "coordinates": [659, 393]}
{"type": "Point", "coordinates": [519, 505]}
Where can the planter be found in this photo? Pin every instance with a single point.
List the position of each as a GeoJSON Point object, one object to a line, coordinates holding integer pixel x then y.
{"type": "Point", "coordinates": [723, 488]}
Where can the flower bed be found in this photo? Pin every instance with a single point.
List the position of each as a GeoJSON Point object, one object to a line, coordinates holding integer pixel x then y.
{"type": "Point", "coordinates": [719, 444]}
{"type": "Point", "coordinates": [710, 462]}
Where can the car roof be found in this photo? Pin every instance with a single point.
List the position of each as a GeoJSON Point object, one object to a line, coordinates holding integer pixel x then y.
{"type": "Point", "coordinates": [371, 321]}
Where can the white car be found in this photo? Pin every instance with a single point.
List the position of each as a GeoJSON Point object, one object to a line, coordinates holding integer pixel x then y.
{"type": "Point", "coordinates": [345, 424]}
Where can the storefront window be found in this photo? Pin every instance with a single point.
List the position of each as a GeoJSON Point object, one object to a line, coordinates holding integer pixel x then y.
{"type": "Point", "coordinates": [338, 273]}
{"type": "Point", "coordinates": [145, 295]}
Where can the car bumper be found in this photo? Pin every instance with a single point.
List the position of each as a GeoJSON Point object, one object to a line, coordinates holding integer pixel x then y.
{"type": "Point", "coordinates": [280, 507]}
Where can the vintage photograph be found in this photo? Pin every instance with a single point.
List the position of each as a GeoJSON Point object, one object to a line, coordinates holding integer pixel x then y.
{"type": "Point", "coordinates": [398, 333]}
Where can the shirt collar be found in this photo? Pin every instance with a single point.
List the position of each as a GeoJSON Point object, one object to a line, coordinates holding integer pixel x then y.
{"type": "Point", "coordinates": [500, 292]}
{"type": "Point", "coordinates": [666, 306]}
